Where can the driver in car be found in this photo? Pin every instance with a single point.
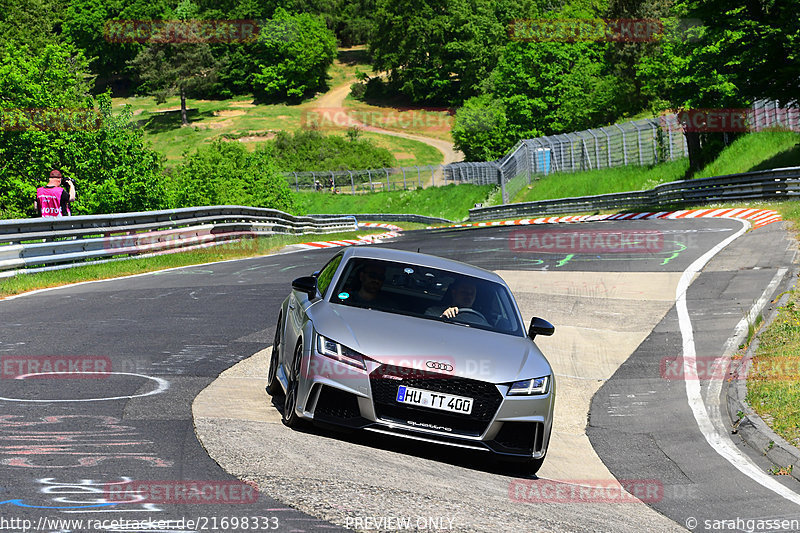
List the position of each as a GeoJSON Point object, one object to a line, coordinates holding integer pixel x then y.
{"type": "Point", "coordinates": [370, 283]}
{"type": "Point", "coordinates": [460, 296]}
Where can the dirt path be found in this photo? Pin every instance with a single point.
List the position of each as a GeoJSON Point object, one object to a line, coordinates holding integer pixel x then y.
{"type": "Point", "coordinates": [335, 99]}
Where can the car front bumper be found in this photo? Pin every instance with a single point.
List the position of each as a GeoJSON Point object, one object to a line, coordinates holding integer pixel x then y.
{"type": "Point", "coordinates": [336, 394]}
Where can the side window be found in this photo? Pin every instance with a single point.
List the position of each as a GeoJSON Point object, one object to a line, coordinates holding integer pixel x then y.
{"type": "Point", "coordinates": [326, 274]}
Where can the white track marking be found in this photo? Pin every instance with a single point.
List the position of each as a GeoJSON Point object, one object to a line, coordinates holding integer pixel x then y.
{"type": "Point", "coordinates": [163, 385]}
{"type": "Point", "coordinates": [722, 445]}
{"type": "Point", "coordinates": [720, 365]}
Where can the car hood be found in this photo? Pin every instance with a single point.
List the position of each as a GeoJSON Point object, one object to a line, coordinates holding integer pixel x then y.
{"type": "Point", "coordinates": [413, 342]}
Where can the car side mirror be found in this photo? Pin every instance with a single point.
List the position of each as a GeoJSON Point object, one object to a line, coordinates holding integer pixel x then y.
{"type": "Point", "coordinates": [306, 284]}
{"type": "Point", "coordinates": [540, 326]}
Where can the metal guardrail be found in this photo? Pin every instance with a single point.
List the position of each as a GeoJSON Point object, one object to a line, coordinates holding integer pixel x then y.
{"type": "Point", "coordinates": [28, 245]}
{"type": "Point", "coordinates": [780, 183]}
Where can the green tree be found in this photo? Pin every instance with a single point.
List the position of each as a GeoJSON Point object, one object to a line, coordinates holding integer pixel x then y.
{"type": "Point", "coordinates": [33, 22]}
{"type": "Point", "coordinates": [623, 56]}
{"type": "Point", "coordinates": [481, 129]}
{"type": "Point", "coordinates": [185, 69]}
{"type": "Point", "coordinates": [225, 173]}
{"type": "Point", "coordinates": [440, 51]}
{"type": "Point", "coordinates": [50, 121]}
{"type": "Point", "coordinates": [182, 68]}
{"type": "Point", "coordinates": [538, 88]}
{"type": "Point", "coordinates": [293, 54]}
{"type": "Point", "coordinates": [744, 50]}
{"type": "Point", "coordinates": [87, 25]}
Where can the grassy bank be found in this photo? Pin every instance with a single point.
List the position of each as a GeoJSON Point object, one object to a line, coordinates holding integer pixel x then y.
{"type": "Point", "coordinates": [564, 185]}
{"type": "Point", "coordinates": [755, 151]}
{"type": "Point", "coordinates": [451, 202]}
{"type": "Point", "coordinates": [773, 386]}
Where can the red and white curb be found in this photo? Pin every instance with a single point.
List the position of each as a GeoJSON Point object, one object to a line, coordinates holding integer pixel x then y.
{"type": "Point", "coordinates": [757, 217]}
{"type": "Point", "coordinates": [394, 231]}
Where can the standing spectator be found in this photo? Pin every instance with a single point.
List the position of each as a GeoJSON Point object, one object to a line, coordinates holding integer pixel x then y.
{"type": "Point", "coordinates": [53, 200]}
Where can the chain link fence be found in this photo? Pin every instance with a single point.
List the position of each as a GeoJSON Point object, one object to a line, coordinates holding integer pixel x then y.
{"type": "Point", "coordinates": [641, 142]}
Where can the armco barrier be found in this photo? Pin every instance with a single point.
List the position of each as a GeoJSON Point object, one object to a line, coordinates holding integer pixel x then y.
{"type": "Point", "coordinates": [779, 183]}
{"type": "Point", "coordinates": [51, 243]}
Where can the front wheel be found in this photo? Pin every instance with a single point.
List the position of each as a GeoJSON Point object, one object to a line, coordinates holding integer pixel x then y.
{"type": "Point", "coordinates": [273, 385]}
{"type": "Point", "coordinates": [290, 416]}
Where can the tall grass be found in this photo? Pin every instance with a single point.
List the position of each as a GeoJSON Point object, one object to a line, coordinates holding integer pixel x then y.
{"type": "Point", "coordinates": [621, 179]}
{"type": "Point", "coordinates": [755, 151]}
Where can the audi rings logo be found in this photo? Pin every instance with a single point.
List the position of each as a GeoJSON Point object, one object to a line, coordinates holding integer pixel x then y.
{"type": "Point", "coordinates": [436, 365]}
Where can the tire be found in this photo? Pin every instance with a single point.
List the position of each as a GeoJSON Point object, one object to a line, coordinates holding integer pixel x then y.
{"type": "Point", "coordinates": [273, 385]}
{"type": "Point", "coordinates": [290, 416]}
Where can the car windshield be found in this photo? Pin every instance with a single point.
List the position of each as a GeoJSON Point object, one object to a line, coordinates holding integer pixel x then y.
{"type": "Point", "coordinates": [429, 293]}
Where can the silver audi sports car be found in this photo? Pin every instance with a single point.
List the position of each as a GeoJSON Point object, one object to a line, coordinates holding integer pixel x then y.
{"type": "Point", "coordinates": [415, 346]}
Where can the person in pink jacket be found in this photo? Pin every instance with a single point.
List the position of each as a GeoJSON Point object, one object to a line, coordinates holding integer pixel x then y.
{"type": "Point", "coordinates": [53, 199]}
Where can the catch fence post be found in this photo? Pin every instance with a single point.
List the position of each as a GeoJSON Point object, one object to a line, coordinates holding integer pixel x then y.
{"type": "Point", "coordinates": [624, 146]}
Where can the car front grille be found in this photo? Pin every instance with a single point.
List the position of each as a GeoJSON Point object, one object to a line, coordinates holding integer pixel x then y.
{"type": "Point", "coordinates": [486, 400]}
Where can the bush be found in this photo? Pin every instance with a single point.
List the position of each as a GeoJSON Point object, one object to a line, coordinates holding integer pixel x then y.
{"type": "Point", "coordinates": [358, 90]}
{"type": "Point", "coordinates": [481, 129]}
{"type": "Point", "coordinates": [225, 173]}
{"type": "Point", "coordinates": [311, 150]}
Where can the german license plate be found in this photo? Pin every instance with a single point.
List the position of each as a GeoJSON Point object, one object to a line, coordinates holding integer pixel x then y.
{"type": "Point", "coordinates": [434, 400]}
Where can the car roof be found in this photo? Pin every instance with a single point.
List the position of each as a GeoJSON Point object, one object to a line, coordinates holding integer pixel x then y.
{"type": "Point", "coordinates": [426, 260]}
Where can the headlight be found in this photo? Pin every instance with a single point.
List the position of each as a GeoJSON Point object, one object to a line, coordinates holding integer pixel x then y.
{"type": "Point", "coordinates": [529, 387]}
{"type": "Point", "coordinates": [339, 352]}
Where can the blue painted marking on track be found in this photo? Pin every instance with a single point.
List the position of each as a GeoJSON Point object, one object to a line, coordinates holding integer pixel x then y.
{"type": "Point", "coordinates": [18, 503]}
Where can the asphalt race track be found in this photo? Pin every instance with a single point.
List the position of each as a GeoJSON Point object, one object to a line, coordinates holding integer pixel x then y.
{"type": "Point", "coordinates": [67, 443]}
